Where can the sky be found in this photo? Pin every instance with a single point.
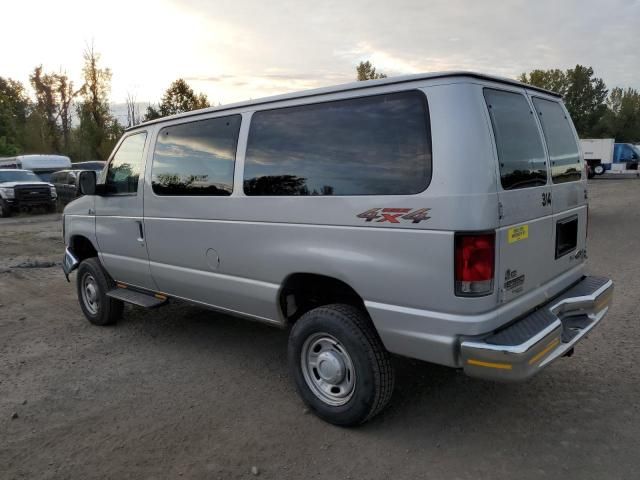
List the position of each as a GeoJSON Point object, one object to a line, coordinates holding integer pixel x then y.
{"type": "Point", "coordinates": [241, 49]}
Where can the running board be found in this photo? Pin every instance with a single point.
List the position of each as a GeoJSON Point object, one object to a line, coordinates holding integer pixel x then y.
{"type": "Point", "coordinates": [137, 298]}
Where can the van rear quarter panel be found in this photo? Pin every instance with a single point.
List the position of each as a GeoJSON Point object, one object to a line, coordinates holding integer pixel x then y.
{"type": "Point", "coordinates": [261, 240]}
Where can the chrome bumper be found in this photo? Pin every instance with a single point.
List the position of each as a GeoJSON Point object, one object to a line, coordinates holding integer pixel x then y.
{"type": "Point", "coordinates": [523, 348]}
{"type": "Point", "coordinates": [69, 263]}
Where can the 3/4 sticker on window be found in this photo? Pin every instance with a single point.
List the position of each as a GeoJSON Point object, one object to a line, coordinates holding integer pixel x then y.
{"type": "Point", "coordinates": [515, 234]}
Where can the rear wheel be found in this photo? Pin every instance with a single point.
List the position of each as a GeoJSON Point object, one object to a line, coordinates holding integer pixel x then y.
{"type": "Point", "coordinates": [339, 365]}
{"type": "Point", "coordinates": [598, 169]}
{"type": "Point", "coordinates": [93, 283]}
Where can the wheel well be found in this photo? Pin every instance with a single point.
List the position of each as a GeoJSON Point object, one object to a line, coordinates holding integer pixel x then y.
{"type": "Point", "coordinates": [82, 247]}
{"type": "Point", "coordinates": [302, 292]}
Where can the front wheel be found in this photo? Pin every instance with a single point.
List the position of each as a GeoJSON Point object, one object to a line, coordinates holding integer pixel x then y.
{"type": "Point", "coordinates": [93, 283]}
{"type": "Point", "coordinates": [5, 210]}
{"type": "Point", "coordinates": [339, 364]}
{"type": "Point", "coordinates": [598, 169]}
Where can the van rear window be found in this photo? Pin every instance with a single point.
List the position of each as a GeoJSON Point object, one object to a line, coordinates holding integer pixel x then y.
{"type": "Point", "coordinates": [561, 143]}
{"type": "Point", "coordinates": [376, 145]}
{"type": "Point", "coordinates": [520, 150]}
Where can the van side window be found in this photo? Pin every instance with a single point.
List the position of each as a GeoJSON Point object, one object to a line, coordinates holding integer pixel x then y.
{"type": "Point", "coordinates": [376, 145]}
{"type": "Point", "coordinates": [196, 158]}
{"type": "Point", "coordinates": [126, 165]}
{"type": "Point", "coordinates": [561, 143]}
{"type": "Point", "coordinates": [520, 151]}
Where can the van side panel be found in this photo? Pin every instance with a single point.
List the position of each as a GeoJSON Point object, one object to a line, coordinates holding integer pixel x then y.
{"type": "Point", "coordinates": [254, 243]}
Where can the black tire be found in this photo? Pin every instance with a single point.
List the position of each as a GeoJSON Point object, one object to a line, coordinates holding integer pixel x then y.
{"type": "Point", "coordinates": [5, 210]}
{"type": "Point", "coordinates": [373, 374]}
{"type": "Point", "coordinates": [104, 310]}
{"type": "Point", "coordinates": [52, 207]}
{"type": "Point", "coordinates": [598, 169]}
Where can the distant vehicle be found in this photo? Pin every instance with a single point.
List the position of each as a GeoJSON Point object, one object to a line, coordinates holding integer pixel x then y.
{"type": "Point", "coordinates": [332, 213]}
{"type": "Point", "coordinates": [66, 183]}
{"type": "Point", "coordinates": [598, 153]}
{"type": "Point", "coordinates": [626, 153]}
{"type": "Point", "coordinates": [23, 190]}
{"type": "Point", "coordinates": [96, 165]}
{"type": "Point", "coordinates": [41, 165]}
{"type": "Point", "coordinates": [601, 153]}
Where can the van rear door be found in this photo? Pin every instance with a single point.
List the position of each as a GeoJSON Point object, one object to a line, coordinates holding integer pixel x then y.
{"type": "Point", "coordinates": [525, 235]}
{"type": "Point", "coordinates": [568, 184]}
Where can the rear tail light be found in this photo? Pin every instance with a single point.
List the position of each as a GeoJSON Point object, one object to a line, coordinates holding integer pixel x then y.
{"type": "Point", "coordinates": [474, 264]}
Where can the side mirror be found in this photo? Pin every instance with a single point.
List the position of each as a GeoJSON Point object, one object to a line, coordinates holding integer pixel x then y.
{"type": "Point", "coordinates": [88, 182]}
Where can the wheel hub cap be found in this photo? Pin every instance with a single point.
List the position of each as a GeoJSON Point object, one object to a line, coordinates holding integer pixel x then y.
{"type": "Point", "coordinates": [90, 296]}
{"type": "Point", "coordinates": [327, 369]}
{"type": "Point", "coordinates": [330, 367]}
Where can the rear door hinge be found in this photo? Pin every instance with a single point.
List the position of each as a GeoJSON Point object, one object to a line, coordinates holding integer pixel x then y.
{"type": "Point", "coordinates": [500, 211]}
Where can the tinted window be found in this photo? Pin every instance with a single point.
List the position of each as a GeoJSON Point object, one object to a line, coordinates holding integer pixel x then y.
{"type": "Point", "coordinates": [520, 151]}
{"type": "Point", "coordinates": [196, 158]}
{"type": "Point", "coordinates": [18, 176]}
{"type": "Point", "coordinates": [126, 165]}
{"type": "Point", "coordinates": [378, 145]}
{"type": "Point", "coordinates": [561, 143]}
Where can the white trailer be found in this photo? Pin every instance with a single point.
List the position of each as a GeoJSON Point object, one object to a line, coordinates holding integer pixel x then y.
{"type": "Point", "coordinates": [41, 165]}
{"type": "Point", "coordinates": [598, 153]}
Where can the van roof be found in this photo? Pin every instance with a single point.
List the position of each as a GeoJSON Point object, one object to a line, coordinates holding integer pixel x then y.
{"type": "Point", "coordinates": [345, 87]}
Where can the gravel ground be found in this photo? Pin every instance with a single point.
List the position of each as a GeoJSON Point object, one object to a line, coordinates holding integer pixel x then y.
{"type": "Point", "coordinates": [184, 392]}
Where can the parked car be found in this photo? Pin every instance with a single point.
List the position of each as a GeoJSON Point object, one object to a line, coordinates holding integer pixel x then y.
{"type": "Point", "coordinates": [41, 165]}
{"type": "Point", "coordinates": [23, 190]}
{"type": "Point", "coordinates": [66, 183]}
{"type": "Point", "coordinates": [442, 217]}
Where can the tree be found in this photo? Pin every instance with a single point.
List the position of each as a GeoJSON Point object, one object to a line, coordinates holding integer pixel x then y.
{"type": "Point", "coordinates": [585, 99]}
{"type": "Point", "coordinates": [133, 112]}
{"type": "Point", "coordinates": [178, 98]}
{"type": "Point", "coordinates": [366, 71]}
{"type": "Point", "coordinates": [98, 130]}
{"type": "Point", "coordinates": [555, 80]}
{"type": "Point", "coordinates": [622, 118]}
{"type": "Point", "coordinates": [54, 96]}
{"type": "Point", "coordinates": [14, 109]}
{"type": "Point", "coordinates": [584, 95]}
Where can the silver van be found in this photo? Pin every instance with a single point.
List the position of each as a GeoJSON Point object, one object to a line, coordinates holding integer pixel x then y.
{"type": "Point", "coordinates": [440, 216]}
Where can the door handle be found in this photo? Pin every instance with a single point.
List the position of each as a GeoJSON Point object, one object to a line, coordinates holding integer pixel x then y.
{"type": "Point", "coordinates": [140, 239]}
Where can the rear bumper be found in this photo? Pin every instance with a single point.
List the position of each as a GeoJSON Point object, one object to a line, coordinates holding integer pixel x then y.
{"type": "Point", "coordinates": [524, 347]}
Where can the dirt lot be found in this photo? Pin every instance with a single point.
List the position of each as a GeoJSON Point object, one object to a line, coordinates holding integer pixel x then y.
{"type": "Point", "coordinates": [182, 391]}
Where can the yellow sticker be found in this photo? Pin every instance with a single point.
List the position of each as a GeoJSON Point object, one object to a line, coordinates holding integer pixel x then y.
{"type": "Point", "coordinates": [518, 233]}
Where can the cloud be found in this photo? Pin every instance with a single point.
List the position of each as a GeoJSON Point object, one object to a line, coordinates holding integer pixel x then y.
{"type": "Point", "coordinates": [235, 50]}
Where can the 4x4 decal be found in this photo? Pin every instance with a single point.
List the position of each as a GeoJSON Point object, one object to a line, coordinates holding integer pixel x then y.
{"type": "Point", "coordinates": [395, 215]}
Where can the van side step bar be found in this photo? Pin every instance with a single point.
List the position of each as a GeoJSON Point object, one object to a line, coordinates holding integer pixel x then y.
{"type": "Point", "coordinates": [146, 300]}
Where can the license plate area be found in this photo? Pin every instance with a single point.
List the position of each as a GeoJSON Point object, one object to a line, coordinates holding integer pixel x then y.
{"type": "Point", "coordinates": [566, 235]}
